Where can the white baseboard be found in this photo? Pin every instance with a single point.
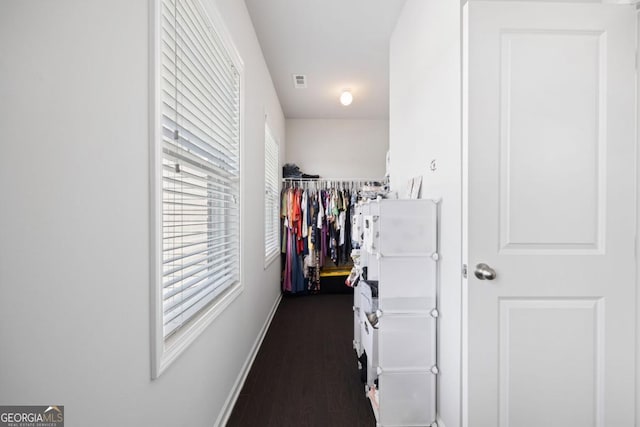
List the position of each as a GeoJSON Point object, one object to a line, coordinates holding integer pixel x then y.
{"type": "Point", "coordinates": [227, 408]}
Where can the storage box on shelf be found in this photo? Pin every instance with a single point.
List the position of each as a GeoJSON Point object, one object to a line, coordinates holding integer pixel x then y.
{"type": "Point", "coordinates": [398, 328]}
{"type": "Point", "coordinates": [360, 262]}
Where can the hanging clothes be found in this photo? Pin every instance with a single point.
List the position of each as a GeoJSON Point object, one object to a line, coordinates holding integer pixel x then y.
{"type": "Point", "coordinates": [316, 232]}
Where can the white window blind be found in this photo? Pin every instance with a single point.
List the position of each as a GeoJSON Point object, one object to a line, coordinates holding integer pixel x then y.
{"type": "Point", "coordinates": [271, 195]}
{"type": "Point", "coordinates": [199, 94]}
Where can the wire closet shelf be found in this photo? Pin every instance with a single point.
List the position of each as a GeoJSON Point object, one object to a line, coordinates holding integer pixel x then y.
{"type": "Point", "coordinates": [325, 183]}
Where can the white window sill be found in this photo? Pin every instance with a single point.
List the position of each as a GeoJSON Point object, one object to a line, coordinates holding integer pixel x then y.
{"type": "Point", "coordinates": [167, 352]}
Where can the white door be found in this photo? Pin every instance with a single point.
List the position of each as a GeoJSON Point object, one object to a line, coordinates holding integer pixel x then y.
{"type": "Point", "coordinates": [551, 208]}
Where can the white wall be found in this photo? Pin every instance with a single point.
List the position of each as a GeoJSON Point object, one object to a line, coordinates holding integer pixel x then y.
{"type": "Point", "coordinates": [74, 220]}
{"type": "Point", "coordinates": [637, 228]}
{"type": "Point", "coordinates": [424, 125]}
{"type": "Point", "coordinates": [338, 148]}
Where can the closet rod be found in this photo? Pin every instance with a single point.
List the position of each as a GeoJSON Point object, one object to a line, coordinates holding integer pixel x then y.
{"type": "Point", "coordinates": [336, 179]}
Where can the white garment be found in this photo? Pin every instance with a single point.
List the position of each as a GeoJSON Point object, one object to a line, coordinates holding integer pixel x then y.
{"type": "Point", "coordinates": [342, 217]}
{"type": "Point", "coordinates": [320, 211]}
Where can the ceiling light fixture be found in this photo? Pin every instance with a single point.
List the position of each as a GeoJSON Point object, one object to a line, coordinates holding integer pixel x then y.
{"type": "Point", "coordinates": [346, 98]}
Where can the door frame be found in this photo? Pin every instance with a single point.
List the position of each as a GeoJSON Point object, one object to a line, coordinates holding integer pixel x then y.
{"type": "Point", "coordinates": [464, 317]}
{"type": "Point", "coordinates": [637, 4]}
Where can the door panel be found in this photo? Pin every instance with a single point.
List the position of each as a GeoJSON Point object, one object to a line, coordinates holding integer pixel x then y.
{"type": "Point", "coordinates": [552, 106]}
{"type": "Point", "coordinates": [551, 207]}
{"type": "Point", "coordinates": [563, 338]}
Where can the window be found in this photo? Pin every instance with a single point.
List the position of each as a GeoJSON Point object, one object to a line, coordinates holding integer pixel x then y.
{"type": "Point", "coordinates": [271, 197]}
{"type": "Point", "coordinates": [196, 174]}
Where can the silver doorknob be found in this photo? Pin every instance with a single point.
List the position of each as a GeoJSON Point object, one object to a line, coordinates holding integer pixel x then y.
{"type": "Point", "coordinates": [484, 272]}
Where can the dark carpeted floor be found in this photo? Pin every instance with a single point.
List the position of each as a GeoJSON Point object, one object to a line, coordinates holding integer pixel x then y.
{"type": "Point", "coordinates": [305, 373]}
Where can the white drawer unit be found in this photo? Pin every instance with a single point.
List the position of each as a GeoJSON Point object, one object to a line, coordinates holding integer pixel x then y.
{"type": "Point", "coordinates": [357, 340]}
{"type": "Point", "coordinates": [400, 238]}
{"type": "Point", "coordinates": [400, 227]}
{"type": "Point", "coordinates": [357, 226]}
{"type": "Point", "coordinates": [370, 233]}
{"type": "Point", "coordinates": [363, 210]}
{"type": "Point", "coordinates": [369, 333]}
{"type": "Point", "coordinates": [370, 348]}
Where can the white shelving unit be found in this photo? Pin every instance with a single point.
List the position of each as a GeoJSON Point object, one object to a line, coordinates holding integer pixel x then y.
{"type": "Point", "coordinates": [400, 240]}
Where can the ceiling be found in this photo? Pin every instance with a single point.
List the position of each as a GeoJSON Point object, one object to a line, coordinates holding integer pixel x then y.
{"type": "Point", "coordinates": [337, 44]}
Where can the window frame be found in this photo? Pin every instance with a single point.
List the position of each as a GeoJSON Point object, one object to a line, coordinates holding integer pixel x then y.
{"type": "Point", "coordinates": [271, 256]}
{"type": "Point", "coordinates": [165, 352]}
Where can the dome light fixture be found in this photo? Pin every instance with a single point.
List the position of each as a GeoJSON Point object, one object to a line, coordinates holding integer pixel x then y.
{"type": "Point", "coordinates": [346, 98]}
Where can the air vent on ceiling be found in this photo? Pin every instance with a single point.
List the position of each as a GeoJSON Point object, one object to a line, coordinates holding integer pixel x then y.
{"type": "Point", "coordinates": [299, 81]}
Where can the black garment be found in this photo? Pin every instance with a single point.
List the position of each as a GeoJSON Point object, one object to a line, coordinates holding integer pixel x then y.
{"type": "Point", "coordinates": [314, 220]}
{"type": "Point", "coordinates": [291, 170]}
{"type": "Point", "coordinates": [346, 249]}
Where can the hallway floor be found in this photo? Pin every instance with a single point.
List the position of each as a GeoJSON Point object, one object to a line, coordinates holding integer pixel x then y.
{"type": "Point", "coordinates": [305, 373]}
